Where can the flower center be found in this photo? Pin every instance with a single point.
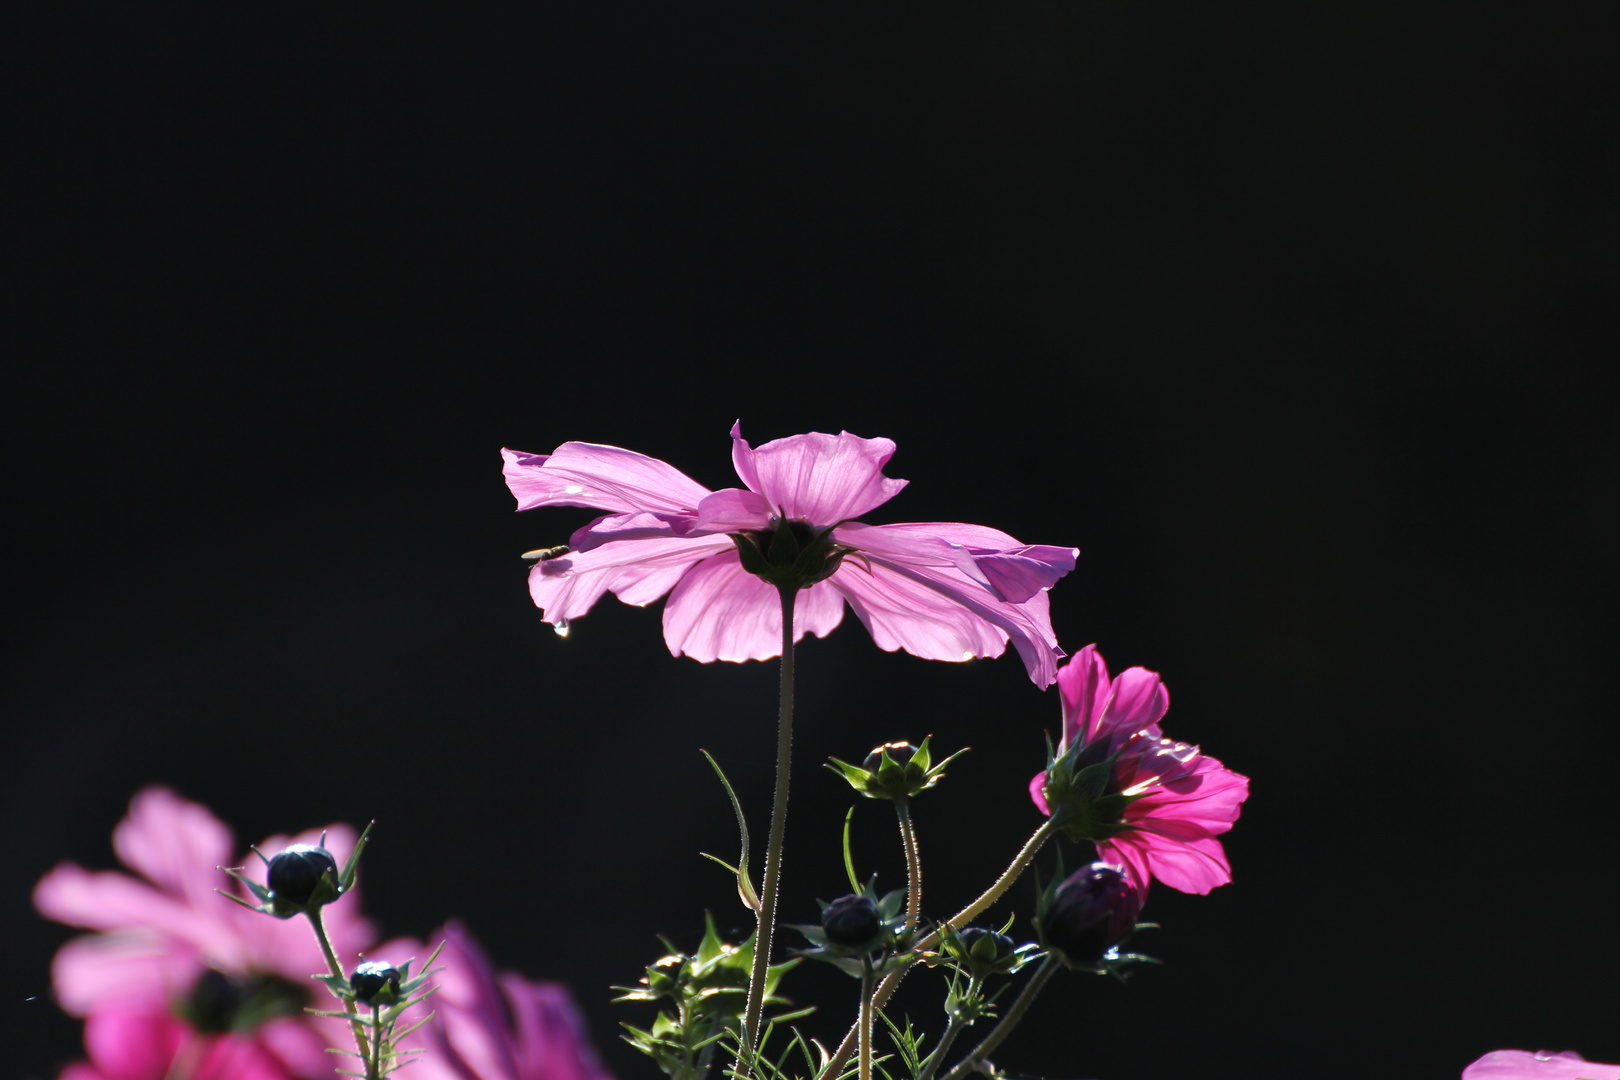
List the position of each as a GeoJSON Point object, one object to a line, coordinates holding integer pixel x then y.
{"type": "Point", "coordinates": [219, 1003]}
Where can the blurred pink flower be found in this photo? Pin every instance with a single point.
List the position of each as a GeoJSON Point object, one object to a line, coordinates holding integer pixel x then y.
{"type": "Point", "coordinates": [1181, 799]}
{"type": "Point", "coordinates": [158, 938]}
{"type": "Point", "coordinates": [1542, 1065]}
{"type": "Point", "coordinates": [494, 1027]}
{"type": "Point", "coordinates": [125, 1045]}
{"type": "Point", "coordinates": [938, 590]}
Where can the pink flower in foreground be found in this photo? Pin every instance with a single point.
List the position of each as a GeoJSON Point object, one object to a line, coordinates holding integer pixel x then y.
{"type": "Point", "coordinates": [1542, 1065]}
{"type": "Point", "coordinates": [124, 1045]}
{"type": "Point", "coordinates": [938, 590]}
{"type": "Point", "coordinates": [169, 943]}
{"type": "Point", "coordinates": [495, 1027]}
{"type": "Point", "coordinates": [1158, 810]}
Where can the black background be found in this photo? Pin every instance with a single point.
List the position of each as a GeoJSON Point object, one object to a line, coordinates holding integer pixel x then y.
{"type": "Point", "coordinates": [1295, 318]}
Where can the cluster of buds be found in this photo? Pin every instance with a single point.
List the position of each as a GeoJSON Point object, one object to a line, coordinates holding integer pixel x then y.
{"type": "Point", "coordinates": [894, 770]}
{"type": "Point", "coordinates": [708, 990]}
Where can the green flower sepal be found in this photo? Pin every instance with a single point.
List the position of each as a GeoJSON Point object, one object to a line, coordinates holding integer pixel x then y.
{"type": "Point", "coordinates": [793, 555]}
{"type": "Point", "coordinates": [299, 879]}
{"type": "Point", "coordinates": [1081, 793]}
{"type": "Point", "coordinates": [980, 953]}
{"type": "Point", "coordinates": [887, 940]}
{"type": "Point", "coordinates": [381, 986]}
{"type": "Point", "coordinates": [894, 770]}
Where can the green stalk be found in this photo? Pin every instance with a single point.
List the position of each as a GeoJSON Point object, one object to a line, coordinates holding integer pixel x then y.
{"type": "Point", "coordinates": [866, 1017]}
{"type": "Point", "coordinates": [908, 837]}
{"type": "Point", "coordinates": [336, 969]}
{"type": "Point", "coordinates": [1031, 990]}
{"type": "Point", "coordinates": [773, 849]}
{"type": "Point", "coordinates": [886, 988]}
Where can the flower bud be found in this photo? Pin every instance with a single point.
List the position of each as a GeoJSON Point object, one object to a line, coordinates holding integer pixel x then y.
{"type": "Point", "coordinates": [298, 880]}
{"type": "Point", "coordinates": [375, 983]}
{"type": "Point", "coordinates": [1090, 912]}
{"type": "Point", "coordinates": [852, 921]}
{"type": "Point", "coordinates": [894, 770]}
{"type": "Point", "coordinates": [983, 952]}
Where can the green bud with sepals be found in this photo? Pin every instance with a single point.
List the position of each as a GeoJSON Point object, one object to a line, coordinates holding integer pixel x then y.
{"type": "Point", "coordinates": [894, 770]}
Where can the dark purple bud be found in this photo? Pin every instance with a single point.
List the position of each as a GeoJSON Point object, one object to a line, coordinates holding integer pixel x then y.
{"type": "Point", "coordinates": [375, 983]}
{"type": "Point", "coordinates": [1093, 910]}
{"type": "Point", "coordinates": [296, 873]}
{"type": "Point", "coordinates": [851, 921]}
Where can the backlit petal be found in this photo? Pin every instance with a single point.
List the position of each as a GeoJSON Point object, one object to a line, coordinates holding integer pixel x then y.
{"type": "Point", "coordinates": [719, 611]}
{"type": "Point", "coordinates": [819, 478]}
{"type": "Point", "coordinates": [601, 477]}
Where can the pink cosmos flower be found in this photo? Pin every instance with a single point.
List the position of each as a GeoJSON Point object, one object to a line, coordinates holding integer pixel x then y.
{"type": "Point", "coordinates": [494, 1027]}
{"type": "Point", "coordinates": [1177, 800]}
{"type": "Point", "coordinates": [1542, 1065]}
{"type": "Point", "coordinates": [154, 1045]}
{"type": "Point", "coordinates": [938, 590]}
{"type": "Point", "coordinates": [169, 943]}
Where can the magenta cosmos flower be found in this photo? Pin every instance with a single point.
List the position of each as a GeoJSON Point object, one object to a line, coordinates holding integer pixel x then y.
{"type": "Point", "coordinates": [938, 590]}
{"type": "Point", "coordinates": [1542, 1065]}
{"type": "Point", "coordinates": [167, 943]}
{"type": "Point", "coordinates": [488, 1026]}
{"type": "Point", "coordinates": [1160, 807]}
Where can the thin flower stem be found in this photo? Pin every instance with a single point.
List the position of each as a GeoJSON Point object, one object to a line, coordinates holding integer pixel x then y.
{"type": "Point", "coordinates": [952, 1030]}
{"type": "Point", "coordinates": [866, 1017]}
{"type": "Point", "coordinates": [908, 836]}
{"type": "Point", "coordinates": [890, 981]}
{"type": "Point", "coordinates": [773, 849]}
{"type": "Point", "coordinates": [1031, 990]}
{"type": "Point", "coordinates": [336, 969]}
{"type": "Point", "coordinates": [374, 1070]}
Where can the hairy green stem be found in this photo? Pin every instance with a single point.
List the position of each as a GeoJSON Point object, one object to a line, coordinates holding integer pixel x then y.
{"type": "Point", "coordinates": [886, 988]}
{"type": "Point", "coordinates": [773, 850]}
{"type": "Point", "coordinates": [866, 1017]}
{"type": "Point", "coordinates": [1031, 990]}
{"type": "Point", "coordinates": [908, 837]}
{"type": "Point", "coordinates": [336, 969]}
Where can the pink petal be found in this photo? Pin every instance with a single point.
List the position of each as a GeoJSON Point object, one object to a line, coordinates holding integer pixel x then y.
{"type": "Point", "coordinates": [1037, 791]}
{"type": "Point", "coordinates": [1192, 866]}
{"type": "Point", "coordinates": [938, 614]}
{"type": "Point", "coordinates": [550, 1035]}
{"type": "Point", "coordinates": [821, 479]}
{"type": "Point", "coordinates": [81, 1070]}
{"type": "Point", "coordinates": [1212, 798]}
{"type": "Point", "coordinates": [638, 571]}
{"type": "Point", "coordinates": [298, 1045]}
{"type": "Point", "coordinates": [109, 900]}
{"type": "Point", "coordinates": [601, 477]}
{"type": "Point", "coordinates": [733, 510]}
{"type": "Point", "coordinates": [720, 611]}
{"type": "Point", "coordinates": [643, 525]}
{"type": "Point", "coordinates": [1139, 699]}
{"type": "Point", "coordinates": [1083, 684]}
{"type": "Point", "coordinates": [1009, 570]}
{"type": "Point", "coordinates": [133, 1046]}
{"type": "Point", "coordinates": [903, 613]}
{"type": "Point", "coordinates": [1542, 1065]}
{"type": "Point", "coordinates": [173, 843]}
{"type": "Point", "coordinates": [129, 970]}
